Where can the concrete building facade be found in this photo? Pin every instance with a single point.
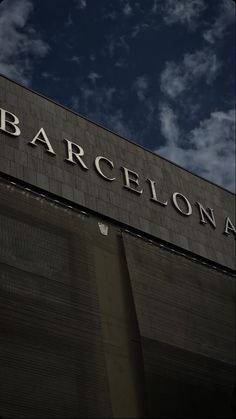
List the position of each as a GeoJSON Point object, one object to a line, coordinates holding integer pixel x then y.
{"type": "Point", "coordinates": [117, 273]}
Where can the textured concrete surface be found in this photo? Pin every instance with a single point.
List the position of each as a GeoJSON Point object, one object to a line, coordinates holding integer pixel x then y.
{"type": "Point", "coordinates": [51, 352]}
{"type": "Point", "coordinates": [69, 342]}
{"type": "Point", "coordinates": [186, 318]}
{"type": "Point", "coordinates": [96, 322]}
{"type": "Point", "coordinates": [85, 187]}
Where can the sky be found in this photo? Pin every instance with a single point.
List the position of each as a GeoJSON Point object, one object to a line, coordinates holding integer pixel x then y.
{"type": "Point", "coordinates": [160, 73]}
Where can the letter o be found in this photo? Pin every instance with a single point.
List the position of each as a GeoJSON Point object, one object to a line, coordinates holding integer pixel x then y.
{"type": "Point", "coordinates": [186, 201]}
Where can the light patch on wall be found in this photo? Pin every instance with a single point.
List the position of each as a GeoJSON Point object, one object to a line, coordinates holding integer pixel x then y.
{"type": "Point", "coordinates": [103, 229]}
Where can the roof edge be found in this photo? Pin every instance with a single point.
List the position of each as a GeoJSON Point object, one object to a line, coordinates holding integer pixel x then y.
{"type": "Point", "coordinates": [115, 133]}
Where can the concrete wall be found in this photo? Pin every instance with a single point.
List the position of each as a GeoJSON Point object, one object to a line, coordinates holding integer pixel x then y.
{"type": "Point", "coordinates": [70, 344]}
{"type": "Point", "coordinates": [85, 187]}
{"type": "Point", "coordinates": [186, 318]}
{"type": "Point", "coordinates": [95, 322]}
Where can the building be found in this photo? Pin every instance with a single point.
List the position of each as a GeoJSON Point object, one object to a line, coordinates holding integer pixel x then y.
{"type": "Point", "coordinates": [117, 274]}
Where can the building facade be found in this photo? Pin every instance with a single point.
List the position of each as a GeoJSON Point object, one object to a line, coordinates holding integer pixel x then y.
{"type": "Point", "coordinates": [117, 274]}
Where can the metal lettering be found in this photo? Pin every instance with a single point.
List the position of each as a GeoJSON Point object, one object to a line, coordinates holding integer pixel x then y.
{"type": "Point", "coordinates": [229, 226]}
{"type": "Point", "coordinates": [78, 155]}
{"type": "Point", "coordinates": [97, 165]}
{"type": "Point", "coordinates": [42, 137]}
{"type": "Point", "coordinates": [154, 194]}
{"type": "Point", "coordinates": [129, 180]}
{"type": "Point", "coordinates": [204, 212]}
{"type": "Point", "coordinates": [6, 123]}
{"type": "Point", "coordinates": [188, 205]}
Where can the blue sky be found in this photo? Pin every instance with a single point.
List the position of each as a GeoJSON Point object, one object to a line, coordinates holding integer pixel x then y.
{"type": "Point", "coordinates": [158, 72]}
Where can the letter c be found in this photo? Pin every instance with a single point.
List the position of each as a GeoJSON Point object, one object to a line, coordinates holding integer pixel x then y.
{"type": "Point", "coordinates": [98, 168]}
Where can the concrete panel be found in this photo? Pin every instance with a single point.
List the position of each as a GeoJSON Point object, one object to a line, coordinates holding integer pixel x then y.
{"type": "Point", "coordinates": [186, 318]}
{"type": "Point", "coordinates": [51, 351]}
{"type": "Point", "coordinates": [87, 188]}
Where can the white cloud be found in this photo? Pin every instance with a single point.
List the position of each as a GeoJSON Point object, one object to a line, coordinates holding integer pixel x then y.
{"type": "Point", "coordinates": [213, 142]}
{"type": "Point", "coordinates": [169, 124]}
{"type": "Point", "coordinates": [76, 59]}
{"type": "Point", "coordinates": [109, 93]}
{"type": "Point", "coordinates": [177, 78]}
{"type": "Point", "coordinates": [110, 15]}
{"type": "Point", "coordinates": [138, 28]}
{"type": "Point", "coordinates": [50, 76]}
{"type": "Point", "coordinates": [115, 43]}
{"type": "Point", "coordinates": [94, 76]}
{"type": "Point", "coordinates": [81, 4]}
{"type": "Point", "coordinates": [122, 43]}
{"type": "Point", "coordinates": [155, 6]}
{"type": "Point", "coordinates": [173, 80]}
{"type": "Point", "coordinates": [127, 10]}
{"type": "Point", "coordinates": [18, 43]}
{"type": "Point", "coordinates": [68, 21]}
{"type": "Point", "coordinates": [97, 104]}
{"type": "Point", "coordinates": [92, 57]}
{"type": "Point", "coordinates": [141, 86]}
{"type": "Point", "coordinates": [208, 150]}
{"type": "Point", "coordinates": [116, 122]}
{"type": "Point", "coordinates": [182, 11]}
{"type": "Point", "coordinates": [225, 18]}
{"type": "Point", "coordinates": [121, 63]}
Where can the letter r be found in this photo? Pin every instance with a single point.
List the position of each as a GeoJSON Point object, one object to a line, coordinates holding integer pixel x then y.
{"type": "Point", "coordinates": [78, 154]}
{"type": "Point", "coordinates": [9, 122]}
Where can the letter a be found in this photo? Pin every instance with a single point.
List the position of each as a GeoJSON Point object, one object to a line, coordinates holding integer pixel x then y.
{"type": "Point", "coordinates": [229, 226]}
{"type": "Point", "coordinates": [41, 136]}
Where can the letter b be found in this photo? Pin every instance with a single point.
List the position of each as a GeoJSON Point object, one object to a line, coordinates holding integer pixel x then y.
{"type": "Point", "coordinates": [9, 122]}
